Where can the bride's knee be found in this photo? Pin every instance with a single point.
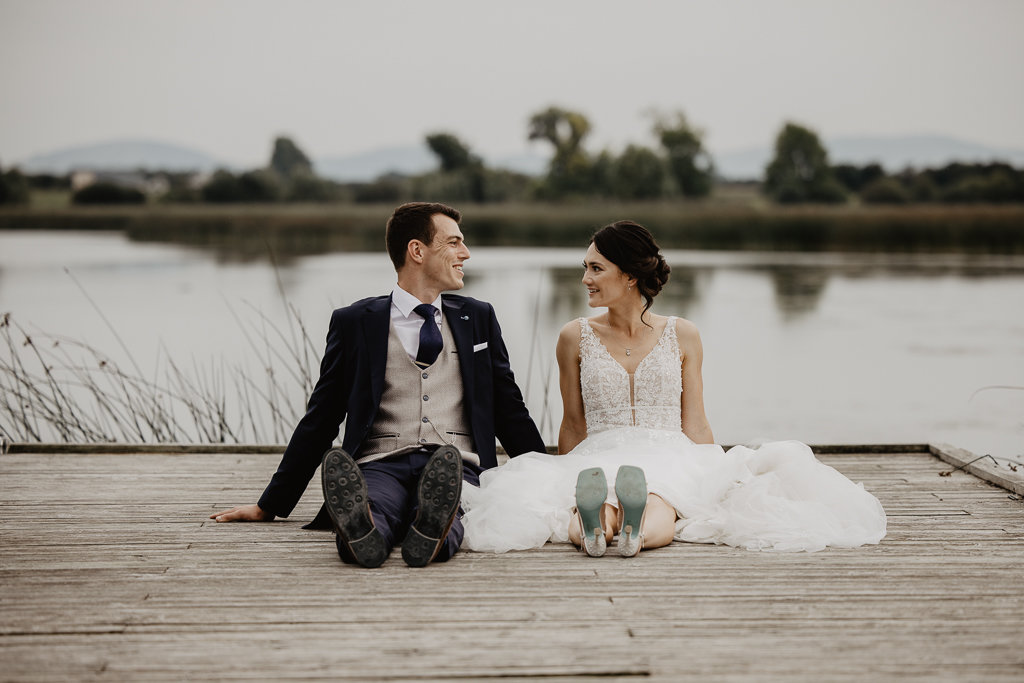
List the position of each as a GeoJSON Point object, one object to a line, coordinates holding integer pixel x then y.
{"type": "Point", "coordinates": [656, 503]}
{"type": "Point", "coordinates": [659, 522]}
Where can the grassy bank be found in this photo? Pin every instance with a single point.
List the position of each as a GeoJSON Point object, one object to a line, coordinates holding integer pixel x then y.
{"type": "Point", "coordinates": [299, 229]}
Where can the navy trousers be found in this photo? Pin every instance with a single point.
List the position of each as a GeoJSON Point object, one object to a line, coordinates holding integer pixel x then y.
{"type": "Point", "coordinates": [391, 485]}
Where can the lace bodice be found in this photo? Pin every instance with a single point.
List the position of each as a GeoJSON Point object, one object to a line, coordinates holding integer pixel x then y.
{"type": "Point", "coordinates": [614, 398]}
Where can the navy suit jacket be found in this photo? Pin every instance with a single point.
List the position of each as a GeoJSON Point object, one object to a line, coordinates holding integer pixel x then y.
{"type": "Point", "coordinates": [352, 382]}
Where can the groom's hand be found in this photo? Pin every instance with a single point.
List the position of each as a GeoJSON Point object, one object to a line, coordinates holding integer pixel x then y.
{"type": "Point", "coordinates": [243, 513]}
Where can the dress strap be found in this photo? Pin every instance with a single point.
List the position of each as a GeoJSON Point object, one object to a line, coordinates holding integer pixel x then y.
{"type": "Point", "coordinates": [586, 332]}
{"type": "Point", "coordinates": [670, 326]}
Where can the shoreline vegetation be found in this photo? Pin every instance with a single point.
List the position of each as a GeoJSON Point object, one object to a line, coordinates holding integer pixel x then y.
{"type": "Point", "coordinates": [247, 230]}
{"type": "Point", "coordinates": [54, 389]}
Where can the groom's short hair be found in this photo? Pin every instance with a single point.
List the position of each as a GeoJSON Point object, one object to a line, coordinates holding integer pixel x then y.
{"type": "Point", "coordinates": [414, 221]}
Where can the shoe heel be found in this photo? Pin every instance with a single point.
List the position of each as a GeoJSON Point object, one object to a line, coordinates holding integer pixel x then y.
{"type": "Point", "coordinates": [591, 492]}
{"type": "Point", "coordinates": [631, 490]}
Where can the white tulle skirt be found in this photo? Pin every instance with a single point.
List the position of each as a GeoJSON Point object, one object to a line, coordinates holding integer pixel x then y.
{"type": "Point", "coordinates": [776, 497]}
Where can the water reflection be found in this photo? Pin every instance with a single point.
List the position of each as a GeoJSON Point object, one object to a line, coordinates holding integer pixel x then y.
{"type": "Point", "coordinates": [798, 290]}
{"type": "Point", "coordinates": [819, 347]}
{"type": "Point", "coordinates": [684, 290]}
{"type": "Point", "coordinates": [238, 242]}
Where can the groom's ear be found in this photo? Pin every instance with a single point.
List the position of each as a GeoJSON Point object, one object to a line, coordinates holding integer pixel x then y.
{"type": "Point", "coordinates": [414, 251]}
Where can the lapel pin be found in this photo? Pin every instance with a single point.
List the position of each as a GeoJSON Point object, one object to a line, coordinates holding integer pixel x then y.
{"type": "Point", "coordinates": [465, 317]}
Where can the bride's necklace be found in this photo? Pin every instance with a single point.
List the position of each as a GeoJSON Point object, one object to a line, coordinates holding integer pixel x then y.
{"type": "Point", "coordinates": [629, 349]}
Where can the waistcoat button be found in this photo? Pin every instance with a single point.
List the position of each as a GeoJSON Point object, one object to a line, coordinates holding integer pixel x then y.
{"type": "Point", "coordinates": [425, 397]}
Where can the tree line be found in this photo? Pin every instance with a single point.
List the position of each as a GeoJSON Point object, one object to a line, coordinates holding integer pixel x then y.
{"type": "Point", "coordinates": [679, 166]}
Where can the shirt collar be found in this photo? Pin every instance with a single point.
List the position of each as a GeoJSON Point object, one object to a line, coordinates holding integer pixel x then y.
{"type": "Point", "coordinates": [406, 302]}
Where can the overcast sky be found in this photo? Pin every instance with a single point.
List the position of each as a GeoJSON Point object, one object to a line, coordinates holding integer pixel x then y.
{"type": "Point", "coordinates": [225, 77]}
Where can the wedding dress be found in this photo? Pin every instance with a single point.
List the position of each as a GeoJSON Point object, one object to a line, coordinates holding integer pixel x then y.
{"type": "Point", "coordinates": [775, 497]}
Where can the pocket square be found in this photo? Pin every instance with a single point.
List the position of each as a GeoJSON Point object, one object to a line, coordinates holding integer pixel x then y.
{"type": "Point", "coordinates": [479, 347]}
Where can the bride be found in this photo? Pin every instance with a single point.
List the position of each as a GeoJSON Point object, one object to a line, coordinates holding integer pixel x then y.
{"type": "Point", "coordinates": [639, 462]}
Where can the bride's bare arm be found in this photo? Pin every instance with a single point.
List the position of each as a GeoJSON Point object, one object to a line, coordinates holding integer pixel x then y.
{"type": "Point", "coordinates": [574, 423]}
{"type": "Point", "coordinates": [691, 355]}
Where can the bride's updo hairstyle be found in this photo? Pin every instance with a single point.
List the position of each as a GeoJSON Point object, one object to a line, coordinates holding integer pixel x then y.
{"type": "Point", "coordinates": [632, 248]}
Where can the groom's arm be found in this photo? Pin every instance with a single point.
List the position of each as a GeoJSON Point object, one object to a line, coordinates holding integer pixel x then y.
{"type": "Point", "coordinates": [513, 425]}
{"type": "Point", "coordinates": [243, 513]}
{"type": "Point", "coordinates": [313, 436]}
{"type": "Point", "coordinates": [319, 427]}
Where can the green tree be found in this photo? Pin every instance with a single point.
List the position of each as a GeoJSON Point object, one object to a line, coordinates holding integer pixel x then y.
{"type": "Point", "coordinates": [108, 193]}
{"type": "Point", "coordinates": [854, 177]}
{"type": "Point", "coordinates": [921, 187]}
{"type": "Point", "coordinates": [310, 188]}
{"type": "Point", "coordinates": [222, 187]}
{"type": "Point", "coordinates": [14, 187]}
{"type": "Point", "coordinates": [885, 190]}
{"type": "Point", "coordinates": [800, 171]}
{"type": "Point", "coordinates": [602, 174]}
{"type": "Point", "coordinates": [251, 186]}
{"type": "Point", "coordinates": [451, 152]}
{"type": "Point", "coordinates": [689, 163]}
{"type": "Point", "coordinates": [569, 171]}
{"type": "Point", "coordinates": [462, 175]}
{"type": "Point", "coordinates": [390, 188]}
{"type": "Point", "coordinates": [638, 173]}
{"type": "Point", "coordinates": [260, 186]}
{"type": "Point", "coordinates": [288, 160]}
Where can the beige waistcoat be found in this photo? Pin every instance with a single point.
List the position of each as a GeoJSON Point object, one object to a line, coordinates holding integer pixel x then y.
{"type": "Point", "coordinates": [420, 406]}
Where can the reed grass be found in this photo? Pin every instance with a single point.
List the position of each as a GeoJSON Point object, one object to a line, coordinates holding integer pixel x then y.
{"type": "Point", "coordinates": [56, 389]}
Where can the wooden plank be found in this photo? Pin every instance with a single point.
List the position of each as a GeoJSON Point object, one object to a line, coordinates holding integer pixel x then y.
{"type": "Point", "coordinates": [110, 570]}
{"type": "Point", "coordinates": [983, 467]}
{"type": "Point", "coordinates": [187, 449]}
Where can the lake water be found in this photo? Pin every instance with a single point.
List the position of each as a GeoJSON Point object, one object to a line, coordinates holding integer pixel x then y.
{"type": "Point", "coordinates": [824, 348]}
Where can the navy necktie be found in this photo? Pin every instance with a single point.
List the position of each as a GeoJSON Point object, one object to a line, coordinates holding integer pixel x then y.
{"type": "Point", "coordinates": [430, 336]}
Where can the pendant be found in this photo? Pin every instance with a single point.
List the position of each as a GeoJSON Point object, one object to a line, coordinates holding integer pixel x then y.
{"type": "Point", "coordinates": [627, 351]}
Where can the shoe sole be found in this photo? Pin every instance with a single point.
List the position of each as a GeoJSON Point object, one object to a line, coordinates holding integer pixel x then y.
{"type": "Point", "coordinates": [591, 492]}
{"type": "Point", "coordinates": [631, 490]}
{"type": "Point", "coordinates": [438, 493]}
{"type": "Point", "coordinates": [348, 504]}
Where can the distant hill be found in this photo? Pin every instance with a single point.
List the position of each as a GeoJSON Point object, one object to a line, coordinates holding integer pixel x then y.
{"type": "Point", "coordinates": [410, 160]}
{"type": "Point", "coordinates": [893, 153]}
{"type": "Point", "coordinates": [369, 165]}
{"type": "Point", "coordinates": [122, 155]}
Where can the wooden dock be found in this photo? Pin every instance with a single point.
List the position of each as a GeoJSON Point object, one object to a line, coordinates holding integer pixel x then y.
{"type": "Point", "coordinates": [110, 570]}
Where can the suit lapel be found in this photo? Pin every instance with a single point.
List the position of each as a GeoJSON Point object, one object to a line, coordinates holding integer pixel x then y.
{"type": "Point", "coordinates": [461, 325]}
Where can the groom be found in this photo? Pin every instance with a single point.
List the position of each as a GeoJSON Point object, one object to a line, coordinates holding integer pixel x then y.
{"type": "Point", "coordinates": [423, 383]}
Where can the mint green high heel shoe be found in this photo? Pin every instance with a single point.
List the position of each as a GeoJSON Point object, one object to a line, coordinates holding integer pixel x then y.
{"type": "Point", "coordinates": [631, 490]}
{"type": "Point", "coordinates": [591, 491]}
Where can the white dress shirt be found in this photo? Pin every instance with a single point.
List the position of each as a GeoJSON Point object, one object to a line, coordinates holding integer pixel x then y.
{"type": "Point", "coordinates": [408, 322]}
